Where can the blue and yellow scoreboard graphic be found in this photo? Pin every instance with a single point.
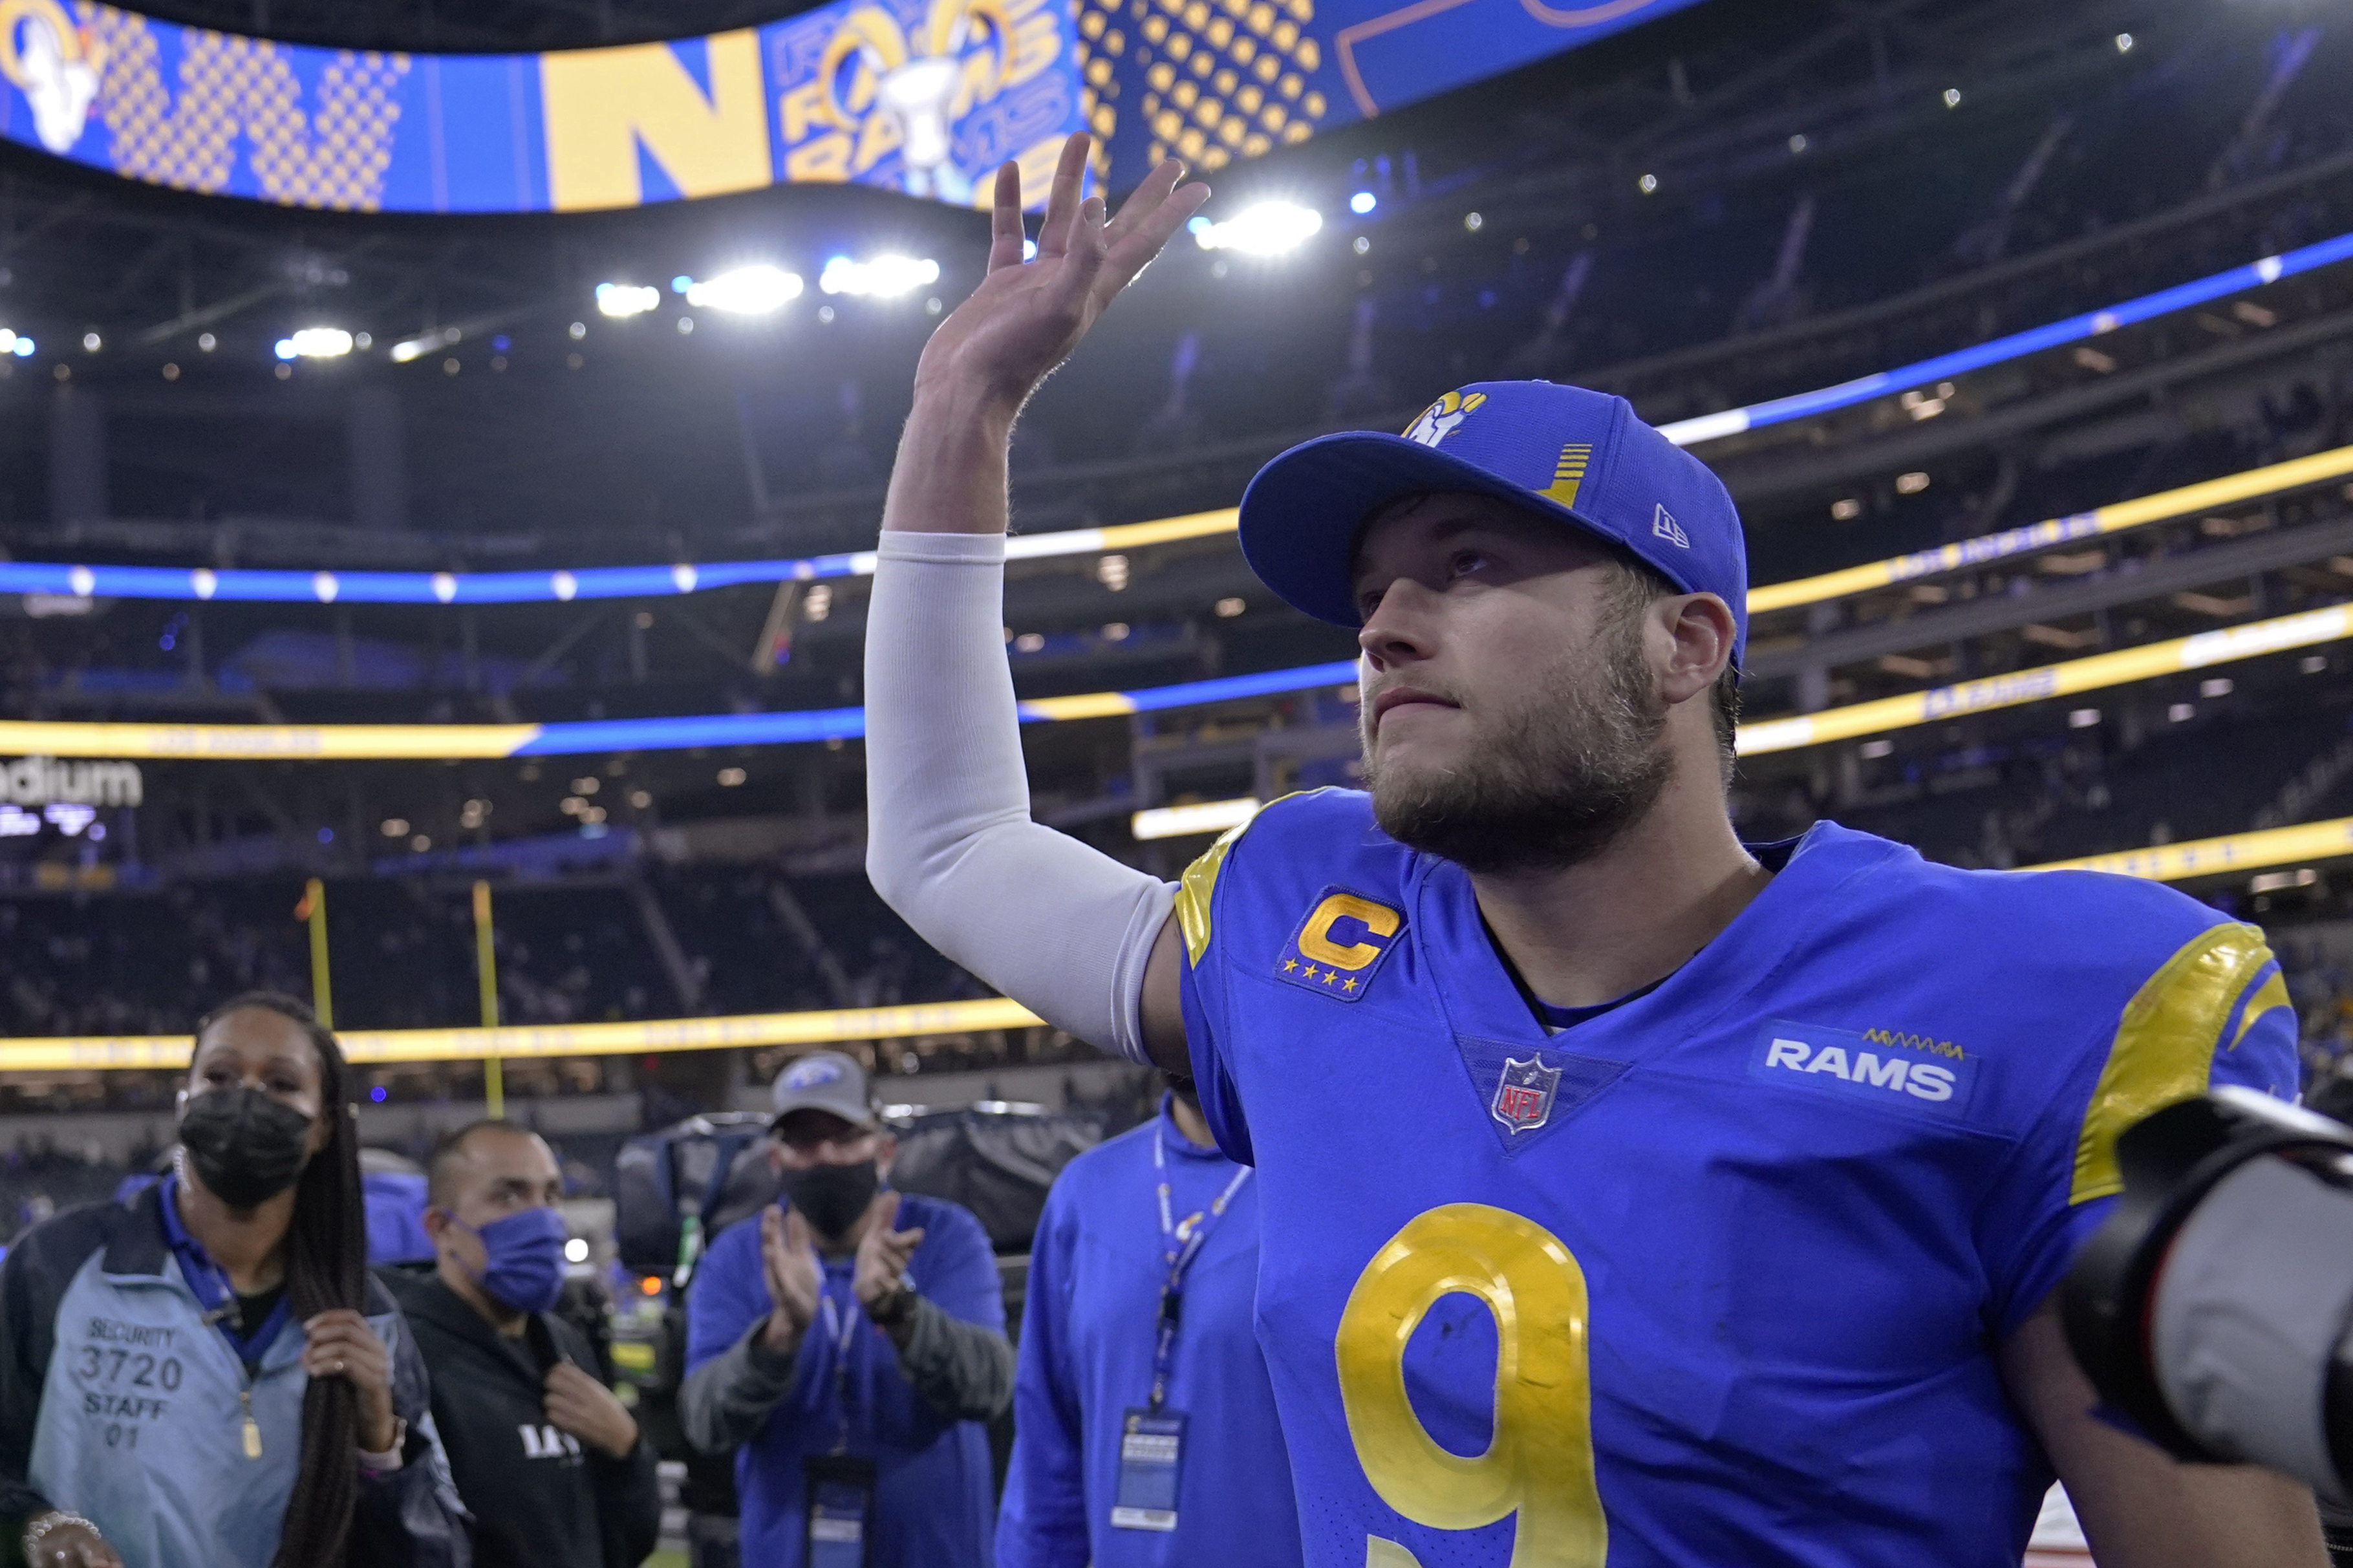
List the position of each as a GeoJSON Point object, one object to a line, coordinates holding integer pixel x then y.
{"type": "Point", "coordinates": [920, 96]}
{"type": "Point", "coordinates": [1214, 80]}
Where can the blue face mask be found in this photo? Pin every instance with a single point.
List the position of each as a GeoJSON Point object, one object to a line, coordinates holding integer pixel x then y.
{"type": "Point", "coordinates": [523, 1259]}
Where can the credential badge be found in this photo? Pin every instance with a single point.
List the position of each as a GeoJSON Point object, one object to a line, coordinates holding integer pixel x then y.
{"type": "Point", "coordinates": [1524, 1095]}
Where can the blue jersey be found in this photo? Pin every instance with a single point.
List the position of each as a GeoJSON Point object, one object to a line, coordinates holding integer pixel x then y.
{"type": "Point", "coordinates": [1715, 1276]}
{"type": "Point", "coordinates": [1088, 1334]}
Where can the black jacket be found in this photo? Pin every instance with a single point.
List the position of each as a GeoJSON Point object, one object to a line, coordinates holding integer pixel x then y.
{"type": "Point", "coordinates": [538, 1496]}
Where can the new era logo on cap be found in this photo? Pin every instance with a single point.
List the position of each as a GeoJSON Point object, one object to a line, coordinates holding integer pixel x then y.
{"type": "Point", "coordinates": [1580, 457]}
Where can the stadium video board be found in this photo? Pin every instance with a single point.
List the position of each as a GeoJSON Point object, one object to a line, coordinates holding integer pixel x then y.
{"type": "Point", "coordinates": [920, 96]}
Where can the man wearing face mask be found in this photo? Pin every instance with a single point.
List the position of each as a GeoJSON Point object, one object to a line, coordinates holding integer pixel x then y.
{"type": "Point", "coordinates": [552, 1465]}
{"type": "Point", "coordinates": [851, 1340]}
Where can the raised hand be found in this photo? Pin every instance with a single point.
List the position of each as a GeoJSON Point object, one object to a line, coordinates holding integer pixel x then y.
{"type": "Point", "coordinates": [884, 1254]}
{"type": "Point", "coordinates": [788, 1260]}
{"type": "Point", "coordinates": [1027, 317]}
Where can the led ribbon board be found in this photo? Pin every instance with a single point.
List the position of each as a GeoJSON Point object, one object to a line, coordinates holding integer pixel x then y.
{"type": "Point", "coordinates": [322, 588]}
{"type": "Point", "coordinates": [2233, 852]}
{"type": "Point", "coordinates": [2034, 339]}
{"type": "Point", "coordinates": [922, 95]}
{"type": "Point", "coordinates": [68, 1053]}
{"type": "Point", "coordinates": [2118, 517]}
{"type": "Point", "coordinates": [2096, 673]}
{"type": "Point", "coordinates": [416, 742]}
{"type": "Point", "coordinates": [232, 583]}
{"type": "Point", "coordinates": [331, 742]}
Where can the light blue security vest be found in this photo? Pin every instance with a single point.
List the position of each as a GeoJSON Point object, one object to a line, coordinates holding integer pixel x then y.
{"type": "Point", "coordinates": [141, 1422]}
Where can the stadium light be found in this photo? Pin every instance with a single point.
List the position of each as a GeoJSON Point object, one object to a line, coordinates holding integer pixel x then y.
{"type": "Point", "coordinates": [16, 344]}
{"type": "Point", "coordinates": [884, 277]}
{"type": "Point", "coordinates": [1363, 202]}
{"type": "Point", "coordinates": [621, 300]}
{"type": "Point", "coordinates": [316, 342]}
{"type": "Point", "coordinates": [755, 290]}
{"type": "Point", "coordinates": [1202, 816]}
{"type": "Point", "coordinates": [1268, 228]}
{"type": "Point", "coordinates": [419, 346]}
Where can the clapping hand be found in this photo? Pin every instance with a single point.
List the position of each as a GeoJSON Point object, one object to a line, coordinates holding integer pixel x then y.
{"type": "Point", "coordinates": [882, 1256]}
{"type": "Point", "coordinates": [788, 1259]}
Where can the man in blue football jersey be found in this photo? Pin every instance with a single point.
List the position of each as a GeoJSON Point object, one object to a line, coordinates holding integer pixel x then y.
{"type": "Point", "coordinates": [1629, 1195]}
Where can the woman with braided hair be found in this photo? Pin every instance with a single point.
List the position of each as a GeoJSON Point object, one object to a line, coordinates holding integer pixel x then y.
{"type": "Point", "coordinates": [206, 1374]}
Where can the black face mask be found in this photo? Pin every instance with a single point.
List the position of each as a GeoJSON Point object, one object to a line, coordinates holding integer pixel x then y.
{"type": "Point", "coordinates": [244, 1147]}
{"type": "Point", "coordinates": [831, 1197]}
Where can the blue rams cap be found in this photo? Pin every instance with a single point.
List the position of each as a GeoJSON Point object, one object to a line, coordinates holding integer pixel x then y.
{"type": "Point", "coordinates": [1581, 456]}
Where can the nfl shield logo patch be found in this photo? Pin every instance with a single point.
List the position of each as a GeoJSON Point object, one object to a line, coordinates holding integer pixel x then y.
{"type": "Point", "coordinates": [1524, 1095]}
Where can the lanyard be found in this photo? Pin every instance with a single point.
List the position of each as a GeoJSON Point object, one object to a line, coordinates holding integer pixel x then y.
{"type": "Point", "coordinates": [841, 1328]}
{"type": "Point", "coordinates": [210, 1283]}
{"type": "Point", "coordinates": [1178, 1257]}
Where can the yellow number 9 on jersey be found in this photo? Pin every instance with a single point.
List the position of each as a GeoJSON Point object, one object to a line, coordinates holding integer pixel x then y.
{"type": "Point", "coordinates": [1539, 1463]}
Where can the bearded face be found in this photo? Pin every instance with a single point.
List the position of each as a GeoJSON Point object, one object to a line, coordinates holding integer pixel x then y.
{"type": "Point", "coordinates": [1543, 771]}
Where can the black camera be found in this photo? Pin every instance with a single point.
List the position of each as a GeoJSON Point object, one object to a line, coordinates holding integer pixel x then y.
{"type": "Point", "coordinates": [2212, 1309]}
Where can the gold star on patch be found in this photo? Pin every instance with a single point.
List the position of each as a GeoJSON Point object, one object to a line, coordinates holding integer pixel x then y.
{"type": "Point", "coordinates": [1330, 976]}
{"type": "Point", "coordinates": [1289, 964]}
{"type": "Point", "coordinates": [1311, 971]}
{"type": "Point", "coordinates": [1349, 984]}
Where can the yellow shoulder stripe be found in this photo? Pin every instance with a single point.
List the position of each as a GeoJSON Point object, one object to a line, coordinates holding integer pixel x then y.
{"type": "Point", "coordinates": [1200, 880]}
{"type": "Point", "coordinates": [2272, 993]}
{"type": "Point", "coordinates": [2164, 1047]}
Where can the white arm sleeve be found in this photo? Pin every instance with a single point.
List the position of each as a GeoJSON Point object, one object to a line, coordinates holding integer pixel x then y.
{"type": "Point", "coordinates": [1061, 928]}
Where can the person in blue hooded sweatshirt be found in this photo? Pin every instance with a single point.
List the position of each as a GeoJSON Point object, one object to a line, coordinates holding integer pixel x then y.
{"type": "Point", "coordinates": [1144, 1423]}
{"type": "Point", "coordinates": [552, 1468]}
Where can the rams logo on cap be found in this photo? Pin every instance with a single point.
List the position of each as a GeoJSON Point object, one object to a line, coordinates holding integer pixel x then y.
{"type": "Point", "coordinates": [809, 1074]}
{"type": "Point", "coordinates": [1438, 421]}
{"type": "Point", "coordinates": [1340, 944]}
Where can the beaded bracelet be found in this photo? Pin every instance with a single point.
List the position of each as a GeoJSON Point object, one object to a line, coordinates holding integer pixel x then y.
{"type": "Point", "coordinates": [53, 1520]}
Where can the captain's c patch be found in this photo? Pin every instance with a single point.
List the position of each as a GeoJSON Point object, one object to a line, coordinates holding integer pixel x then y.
{"type": "Point", "coordinates": [1341, 944]}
